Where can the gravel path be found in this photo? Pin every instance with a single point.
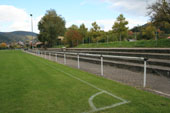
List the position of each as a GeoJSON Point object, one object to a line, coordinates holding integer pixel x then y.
{"type": "Point", "coordinates": [155, 82]}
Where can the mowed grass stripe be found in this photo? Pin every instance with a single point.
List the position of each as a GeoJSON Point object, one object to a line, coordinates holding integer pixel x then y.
{"type": "Point", "coordinates": [29, 86]}
{"type": "Point", "coordinates": [36, 81]}
{"type": "Point", "coordinates": [108, 101]}
{"type": "Point", "coordinates": [42, 89]}
{"type": "Point", "coordinates": [140, 100]}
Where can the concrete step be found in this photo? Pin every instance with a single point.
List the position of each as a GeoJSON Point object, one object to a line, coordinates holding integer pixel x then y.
{"type": "Point", "coordinates": [138, 50]}
{"type": "Point", "coordinates": [158, 70]}
{"type": "Point", "coordinates": [157, 53]}
{"type": "Point", "coordinates": [158, 63]}
{"type": "Point", "coordinates": [148, 55]}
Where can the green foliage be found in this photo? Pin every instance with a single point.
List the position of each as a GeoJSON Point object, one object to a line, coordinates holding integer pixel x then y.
{"type": "Point", "coordinates": [83, 31]}
{"type": "Point", "coordinates": [111, 36]}
{"type": "Point", "coordinates": [160, 14]}
{"type": "Point", "coordinates": [51, 26]}
{"type": "Point", "coordinates": [164, 43]}
{"type": "Point", "coordinates": [119, 27]}
{"type": "Point", "coordinates": [160, 11]}
{"type": "Point", "coordinates": [132, 35]}
{"type": "Point", "coordinates": [73, 37]}
{"type": "Point", "coordinates": [149, 32]}
{"type": "Point", "coordinates": [95, 27]}
{"type": "Point", "coordinates": [94, 33]}
{"type": "Point", "coordinates": [74, 27]}
{"type": "Point", "coordinates": [165, 27]}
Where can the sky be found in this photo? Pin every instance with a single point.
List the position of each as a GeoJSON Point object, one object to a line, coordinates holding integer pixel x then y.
{"type": "Point", "coordinates": [15, 14]}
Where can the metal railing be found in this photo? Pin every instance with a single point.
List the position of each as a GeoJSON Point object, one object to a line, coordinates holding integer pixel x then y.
{"type": "Point", "coordinates": [101, 56]}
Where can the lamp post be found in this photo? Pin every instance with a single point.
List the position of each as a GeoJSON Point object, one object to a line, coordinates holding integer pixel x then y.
{"type": "Point", "coordinates": [31, 30]}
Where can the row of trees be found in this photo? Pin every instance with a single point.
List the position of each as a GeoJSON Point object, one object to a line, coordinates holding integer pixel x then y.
{"type": "Point", "coordinates": [52, 25]}
{"type": "Point", "coordinates": [12, 45]}
{"type": "Point", "coordinates": [75, 35]}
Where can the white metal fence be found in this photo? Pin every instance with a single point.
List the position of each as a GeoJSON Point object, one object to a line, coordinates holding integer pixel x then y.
{"type": "Point", "coordinates": [49, 55]}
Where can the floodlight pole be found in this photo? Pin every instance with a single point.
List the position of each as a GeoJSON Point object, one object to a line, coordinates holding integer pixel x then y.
{"type": "Point", "coordinates": [31, 30]}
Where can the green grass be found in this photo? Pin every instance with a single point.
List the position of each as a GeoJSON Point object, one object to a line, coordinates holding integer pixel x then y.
{"type": "Point", "coordinates": [164, 43]}
{"type": "Point", "coordinates": [30, 84]}
{"type": "Point", "coordinates": [58, 46]}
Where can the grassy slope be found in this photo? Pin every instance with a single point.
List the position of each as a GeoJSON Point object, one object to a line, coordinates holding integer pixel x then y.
{"type": "Point", "coordinates": [141, 43]}
{"type": "Point", "coordinates": [29, 84]}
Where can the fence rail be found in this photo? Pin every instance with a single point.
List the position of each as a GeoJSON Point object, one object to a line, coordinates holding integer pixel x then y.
{"type": "Point", "coordinates": [100, 56]}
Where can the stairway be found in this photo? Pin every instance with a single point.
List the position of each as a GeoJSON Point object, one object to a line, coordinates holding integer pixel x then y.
{"type": "Point", "coordinates": [158, 63]}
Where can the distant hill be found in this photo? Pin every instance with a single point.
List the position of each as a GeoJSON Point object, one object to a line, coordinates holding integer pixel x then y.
{"type": "Point", "coordinates": [139, 28]}
{"type": "Point", "coordinates": [16, 36]}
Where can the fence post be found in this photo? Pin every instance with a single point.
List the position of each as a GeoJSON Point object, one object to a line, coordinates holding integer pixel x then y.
{"type": "Point", "coordinates": [101, 65]}
{"type": "Point", "coordinates": [45, 55]}
{"type": "Point", "coordinates": [49, 56]}
{"type": "Point", "coordinates": [78, 60]}
{"type": "Point", "coordinates": [41, 53]}
{"type": "Point", "coordinates": [64, 58]}
{"type": "Point", "coordinates": [144, 79]}
{"type": "Point", "coordinates": [56, 57]}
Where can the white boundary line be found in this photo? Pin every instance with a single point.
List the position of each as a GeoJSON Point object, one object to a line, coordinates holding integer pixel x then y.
{"type": "Point", "coordinates": [159, 92]}
{"type": "Point", "coordinates": [101, 91]}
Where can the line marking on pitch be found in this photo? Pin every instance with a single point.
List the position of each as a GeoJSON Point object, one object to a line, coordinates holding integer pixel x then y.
{"type": "Point", "coordinates": [90, 100]}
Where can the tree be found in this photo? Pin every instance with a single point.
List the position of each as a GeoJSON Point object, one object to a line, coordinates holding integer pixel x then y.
{"type": "Point", "coordinates": [160, 15]}
{"type": "Point", "coordinates": [160, 11]}
{"type": "Point", "coordinates": [149, 32]}
{"type": "Point", "coordinates": [95, 27]}
{"type": "Point", "coordinates": [120, 28]}
{"type": "Point", "coordinates": [74, 27]}
{"type": "Point", "coordinates": [51, 26]}
{"type": "Point", "coordinates": [131, 35]}
{"type": "Point", "coordinates": [83, 31]}
{"type": "Point", "coordinates": [3, 45]}
{"type": "Point", "coordinates": [95, 32]}
{"type": "Point", "coordinates": [73, 37]}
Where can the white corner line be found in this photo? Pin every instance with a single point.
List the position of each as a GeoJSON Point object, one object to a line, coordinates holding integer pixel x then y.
{"type": "Point", "coordinates": [101, 91]}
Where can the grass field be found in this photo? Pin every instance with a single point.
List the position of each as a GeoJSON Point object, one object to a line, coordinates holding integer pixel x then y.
{"type": "Point", "coordinates": [165, 43]}
{"type": "Point", "coordinates": [30, 84]}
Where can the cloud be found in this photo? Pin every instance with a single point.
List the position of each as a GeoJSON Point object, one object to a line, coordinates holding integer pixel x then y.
{"type": "Point", "coordinates": [133, 7]}
{"type": "Point", "coordinates": [13, 19]}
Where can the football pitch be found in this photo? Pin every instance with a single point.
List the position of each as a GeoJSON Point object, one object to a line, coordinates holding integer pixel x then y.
{"type": "Point", "coordinates": [31, 84]}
